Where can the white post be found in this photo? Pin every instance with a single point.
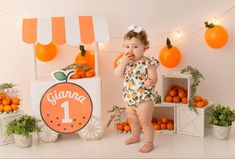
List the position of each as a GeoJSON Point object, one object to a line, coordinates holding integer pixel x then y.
{"type": "Point", "coordinates": [34, 63]}
{"type": "Point", "coordinates": [96, 50]}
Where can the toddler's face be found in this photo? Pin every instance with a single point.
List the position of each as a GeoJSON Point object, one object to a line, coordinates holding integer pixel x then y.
{"type": "Point", "coordinates": [135, 47]}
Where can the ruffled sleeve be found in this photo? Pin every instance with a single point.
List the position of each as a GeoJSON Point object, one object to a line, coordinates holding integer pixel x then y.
{"type": "Point", "coordinates": [152, 62]}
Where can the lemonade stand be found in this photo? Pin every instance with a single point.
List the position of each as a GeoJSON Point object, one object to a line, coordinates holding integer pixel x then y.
{"type": "Point", "coordinates": [67, 105]}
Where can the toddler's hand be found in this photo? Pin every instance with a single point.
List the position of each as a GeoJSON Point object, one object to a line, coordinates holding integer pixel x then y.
{"type": "Point", "coordinates": [149, 82]}
{"type": "Point", "coordinates": [128, 57]}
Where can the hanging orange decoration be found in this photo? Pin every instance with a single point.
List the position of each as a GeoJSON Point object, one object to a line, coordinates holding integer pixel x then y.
{"type": "Point", "coordinates": [216, 36]}
{"type": "Point", "coordinates": [45, 53]}
{"type": "Point", "coordinates": [85, 57]}
{"type": "Point", "coordinates": [169, 55]}
{"type": "Point", "coordinates": [117, 59]}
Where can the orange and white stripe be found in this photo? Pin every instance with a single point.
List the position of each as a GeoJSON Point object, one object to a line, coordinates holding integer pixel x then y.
{"type": "Point", "coordinates": [69, 30]}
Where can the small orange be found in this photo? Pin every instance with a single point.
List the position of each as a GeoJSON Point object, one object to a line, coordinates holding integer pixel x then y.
{"type": "Point", "coordinates": [164, 119]}
{"type": "Point", "coordinates": [205, 101]}
{"type": "Point", "coordinates": [127, 128]}
{"type": "Point", "coordinates": [198, 98]}
{"type": "Point", "coordinates": [120, 126]}
{"type": "Point", "coordinates": [176, 99]}
{"type": "Point", "coordinates": [15, 101]}
{"type": "Point", "coordinates": [199, 104]}
{"type": "Point", "coordinates": [163, 126]}
{"type": "Point", "coordinates": [6, 101]}
{"type": "Point", "coordinates": [1, 108]}
{"type": "Point", "coordinates": [90, 73]}
{"type": "Point", "coordinates": [174, 87]}
{"type": "Point", "coordinates": [181, 94]}
{"type": "Point", "coordinates": [168, 98]}
{"type": "Point", "coordinates": [173, 93]}
{"type": "Point", "coordinates": [2, 95]}
{"type": "Point", "coordinates": [156, 127]}
{"type": "Point", "coordinates": [14, 106]}
{"type": "Point", "coordinates": [170, 126]}
{"type": "Point", "coordinates": [184, 100]}
{"type": "Point", "coordinates": [7, 108]}
{"type": "Point", "coordinates": [159, 122]}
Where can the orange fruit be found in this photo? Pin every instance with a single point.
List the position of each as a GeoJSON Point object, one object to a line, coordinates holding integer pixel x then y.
{"type": "Point", "coordinates": [15, 101]}
{"type": "Point", "coordinates": [90, 73]}
{"type": "Point", "coordinates": [127, 128]}
{"type": "Point", "coordinates": [199, 104]}
{"type": "Point", "coordinates": [198, 98]}
{"type": "Point", "coordinates": [7, 108]}
{"type": "Point", "coordinates": [205, 101]}
{"type": "Point", "coordinates": [1, 108]}
{"type": "Point", "coordinates": [168, 98]}
{"type": "Point", "coordinates": [163, 126]}
{"type": "Point", "coordinates": [156, 127]}
{"type": "Point", "coordinates": [159, 122]}
{"type": "Point", "coordinates": [184, 100]}
{"type": "Point", "coordinates": [6, 101]}
{"type": "Point", "coordinates": [173, 93]}
{"type": "Point", "coordinates": [170, 126]}
{"type": "Point", "coordinates": [176, 99]}
{"type": "Point", "coordinates": [164, 119]}
{"type": "Point", "coordinates": [14, 106]}
{"type": "Point", "coordinates": [2, 95]}
{"type": "Point", "coordinates": [181, 94]}
{"type": "Point", "coordinates": [120, 126]}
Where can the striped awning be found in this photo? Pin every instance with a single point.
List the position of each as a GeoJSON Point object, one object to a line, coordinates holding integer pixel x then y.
{"type": "Point", "coordinates": [69, 30]}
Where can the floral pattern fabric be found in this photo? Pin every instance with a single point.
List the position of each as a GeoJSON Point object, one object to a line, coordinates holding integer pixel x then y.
{"type": "Point", "coordinates": [134, 91]}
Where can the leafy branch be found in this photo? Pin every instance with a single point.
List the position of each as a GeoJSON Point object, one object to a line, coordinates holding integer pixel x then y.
{"type": "Point", "coordinates": [6, 86]}
{"type": "Point", "coordinates": [196, 77]}
{"type": "Point", "coordinates": [114, 110]}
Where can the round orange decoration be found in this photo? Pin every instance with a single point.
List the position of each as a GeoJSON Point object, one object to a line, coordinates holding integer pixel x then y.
{"type": "Point", "coordinates": [66, 107]}
{"type": "Point", "coordinates": [216, 36]}
{"type": "Point", "coordinates": [117, 59]}
{"type": "Point", "coordinates": [45, 53]}
{"type": "Point", "coordinates": [85, 57]}
{"type": "Point", "coordinates": [169, 55]}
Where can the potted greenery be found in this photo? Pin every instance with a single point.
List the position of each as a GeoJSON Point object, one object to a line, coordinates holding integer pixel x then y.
{"type": "Point", "coordinates": [221, 118]}
{"type": "Point", "coordinates": [22, 129]}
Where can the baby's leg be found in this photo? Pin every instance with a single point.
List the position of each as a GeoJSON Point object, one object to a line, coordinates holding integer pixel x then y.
{"type": "Point", "coordinates": [135, 126]}
{"type": "Point", "coordinates": [145, 112]}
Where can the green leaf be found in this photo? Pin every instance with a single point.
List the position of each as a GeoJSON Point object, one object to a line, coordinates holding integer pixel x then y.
{"type": "Point", "coordinates": [60, 76]}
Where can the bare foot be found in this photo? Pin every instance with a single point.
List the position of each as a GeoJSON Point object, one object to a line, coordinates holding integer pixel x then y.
{"type": "Point", "coordinates": [147, 147]}
{"type": "Point", "coordinates": [132, 140]}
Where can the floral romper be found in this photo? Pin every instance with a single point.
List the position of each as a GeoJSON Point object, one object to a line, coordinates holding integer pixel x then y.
{"type": "Point", "coordinates": [134, 91]}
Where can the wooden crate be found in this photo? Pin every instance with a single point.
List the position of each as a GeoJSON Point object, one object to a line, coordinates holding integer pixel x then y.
{"type": "Point", "coordinates": [190, 123]}
{"type": "Point", "coordinates": [182, 80]}
{"type": "Point", "coordinates": [169, 111]}
{"type": "Point", "coordinates": [4, 119]}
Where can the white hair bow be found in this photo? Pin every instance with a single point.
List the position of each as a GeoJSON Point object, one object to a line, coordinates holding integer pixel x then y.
{"type": "Point", "coordinates": [134, 28]}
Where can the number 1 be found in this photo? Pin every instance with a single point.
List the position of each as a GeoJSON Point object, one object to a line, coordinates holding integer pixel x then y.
{"type": "Point", "coordinates": [66, 119]}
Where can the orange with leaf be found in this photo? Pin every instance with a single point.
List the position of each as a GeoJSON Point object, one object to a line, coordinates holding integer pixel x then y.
{"type": "Point", "coordinates": [85, 57]}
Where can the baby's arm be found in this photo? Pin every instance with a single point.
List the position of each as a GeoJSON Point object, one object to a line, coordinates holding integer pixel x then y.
{"type": "Point", "coordinates": [119, 70]}
{"type": "Point", "coordinates": [152, 77]}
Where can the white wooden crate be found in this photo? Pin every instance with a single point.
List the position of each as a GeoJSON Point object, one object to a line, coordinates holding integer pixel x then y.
{"type": "Point", "coordinates": [190, 123]}
{"type": "Point", "coordinates": [169, 111]}
{"type": "Point", "coordinates": [182, 80]}
{"type": "Point", "coordinates": [4, 119]}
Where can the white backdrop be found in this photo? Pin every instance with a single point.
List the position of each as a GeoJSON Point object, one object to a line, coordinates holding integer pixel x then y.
{"type": "Point", "coordinates": [156, 16]}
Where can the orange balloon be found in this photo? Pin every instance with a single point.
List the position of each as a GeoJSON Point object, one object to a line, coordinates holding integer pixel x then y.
{"type": "Point", "coordinates": [170, 57]}
{"type": "Point", "coordinates": [116, 60]}
{"type": "Point", "coordinates": [45, 53]}
{"type": "Point", "coordinates": [216, 36]}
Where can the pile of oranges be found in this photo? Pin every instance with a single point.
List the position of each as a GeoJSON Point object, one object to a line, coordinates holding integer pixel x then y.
{"type": "Point", "coordinates": [177, 94]}
{"type": "Point", "coordinates": [200, 102]}
{"type": "Point", "coordinates": [83, 71]}
{"type": "Point", "coordinates": [8, 104]}
{"type": "Point", "coordinates": [123, 126]}
{"type": "Point", "coordinates": [162, 124]}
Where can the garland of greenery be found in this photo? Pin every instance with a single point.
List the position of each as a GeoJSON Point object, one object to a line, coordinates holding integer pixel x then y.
{"type": "Point", "coordinates": [196, 77]}
{"type": "Point", "coordinates": [6, 86]}
{"type": "Point", "coordinates": [114, 110]}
